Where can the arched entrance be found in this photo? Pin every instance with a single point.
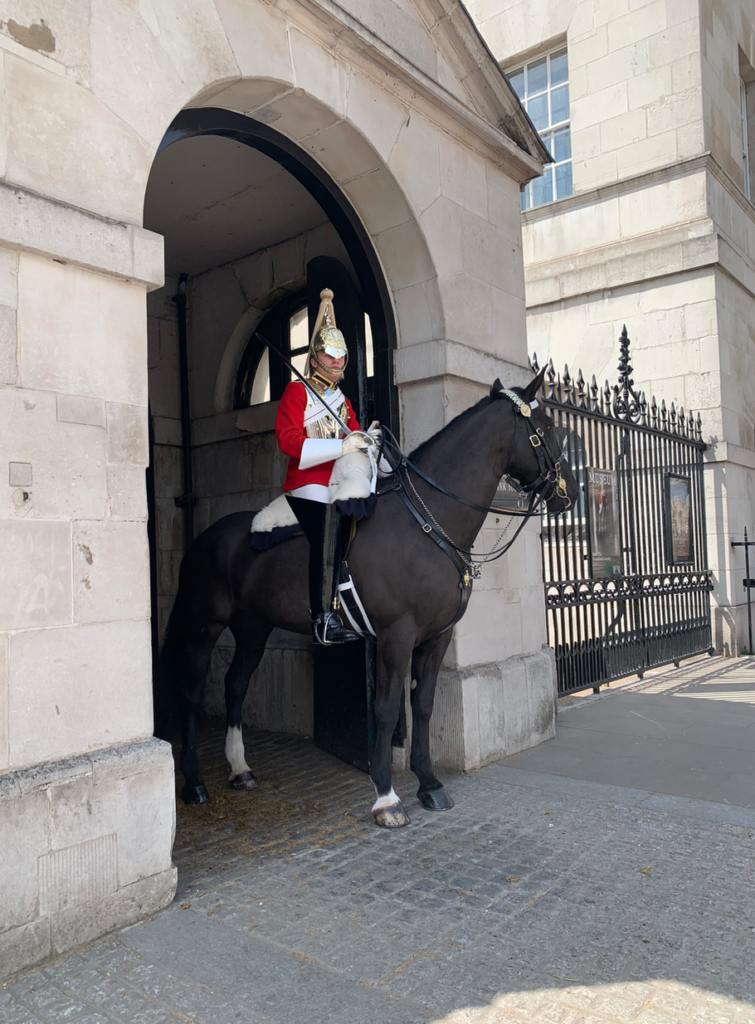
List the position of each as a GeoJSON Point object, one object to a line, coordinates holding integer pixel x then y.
{"type": "Point", "coordinates": [254, 228]}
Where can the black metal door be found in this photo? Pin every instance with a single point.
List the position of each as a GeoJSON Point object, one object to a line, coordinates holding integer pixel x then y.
{"type": "Point", "coordinates": [627, 585]}
{"type": "Point", "coordinates": [344, 674]}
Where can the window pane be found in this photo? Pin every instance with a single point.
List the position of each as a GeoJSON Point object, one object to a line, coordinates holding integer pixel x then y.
{"type": "Point", "coordinates": [542, 188]}
{"type": "Point", "coordinates": [538, 111]}
{"type": "Point", "coordinates": [300, 362]}
{"type": "Point", "coordinates": [297, 329]}
{"type": "Point", "coordinates": [517, 83]}
{"type": "Point", "coordinates": [261, 382]}
{"type": "Point", "coordinates": [560, 104]}
{"type": "Point", "coordinates": [369, 355]}
{"type": "Point", "coordinates": [560, 145]}
{"type": "Point", "coordinates": [537, 77]}
{"type": "Point", "coordinates": [563, 181]}
{"type": "Point", "coordinates": [524, 198]}
{"type": "Point", "coordinates": [559, 68]}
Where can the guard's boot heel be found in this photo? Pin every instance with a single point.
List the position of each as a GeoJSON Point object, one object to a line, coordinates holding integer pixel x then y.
{"type": "Point", "coordinates": [328, 629]}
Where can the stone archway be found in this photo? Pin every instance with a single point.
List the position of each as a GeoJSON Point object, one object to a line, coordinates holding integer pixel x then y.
{"type": "Point", "coordinates": [349, 144]}
{"type": "Point", "coordinates": [216, 208]}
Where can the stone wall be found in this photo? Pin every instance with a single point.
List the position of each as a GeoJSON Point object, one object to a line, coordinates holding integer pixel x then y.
{"type": "Point", "coordinates": [86, 797]}
{"type": "Point", "coordinates": [634, 77]}
{"type": "Point", "coordinates": [86, 848]}
{"type": "Point", "coordinates": [416, 143]}
{"type": "Point", "coordinates": [658, 235]}
{"type": "Point", "coordinates": [727, 50]}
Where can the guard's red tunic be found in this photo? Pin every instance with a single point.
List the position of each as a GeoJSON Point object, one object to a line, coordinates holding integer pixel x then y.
{"type": "Point", "coordinates": [291, 434]}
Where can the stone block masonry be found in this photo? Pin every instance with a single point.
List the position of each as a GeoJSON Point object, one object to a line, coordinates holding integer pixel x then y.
{"type": "Point", "coordinates": [86, 846]}
{"type": "Point", "coordinates": [80, 123]}
{"type": "Point", "coordinates": [659, 233]}
{"type": "Point", "coordinates": [86, 798]}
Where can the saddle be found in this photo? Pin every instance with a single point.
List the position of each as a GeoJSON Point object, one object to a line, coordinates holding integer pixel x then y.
{"type": "Point", "coordinates": [352, 491]}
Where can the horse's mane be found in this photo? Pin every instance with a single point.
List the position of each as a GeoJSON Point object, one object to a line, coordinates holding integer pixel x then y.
{"type": "Point", "coordinates": [430, 443]}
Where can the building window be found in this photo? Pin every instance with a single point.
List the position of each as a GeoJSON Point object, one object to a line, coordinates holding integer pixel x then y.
{"type": "Point", "coordinates": [745, 136]}
{"type": "Point", "coordinates": [543, 87]}
{"type": "Point", "coordinates": [297, 353]}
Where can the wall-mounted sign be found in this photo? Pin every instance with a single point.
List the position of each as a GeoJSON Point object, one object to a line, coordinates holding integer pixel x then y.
{"type": "Point", "coordinates": [678, 520]}
{"type": "Point", "coordinates": [506, 497]}
{"type": "Point", "coordinates": [605, 527]}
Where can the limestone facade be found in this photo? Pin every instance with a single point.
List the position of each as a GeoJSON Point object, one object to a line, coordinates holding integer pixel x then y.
{"type": "Point", "coordinates": [400, 103]}
{"type": "Point", "coordinates": [659, 233]}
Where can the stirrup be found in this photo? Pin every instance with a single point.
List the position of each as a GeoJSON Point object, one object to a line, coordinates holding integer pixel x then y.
{"type": "Point", "coordinates": [328, 629]}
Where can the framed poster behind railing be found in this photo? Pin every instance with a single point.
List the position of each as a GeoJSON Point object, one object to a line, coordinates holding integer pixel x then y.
{"type": "Point", "coordinates": [677, 516]}
{"type": "Point", "coordinates": [604, 522]}
{"type": "Point", "coordinates": [507, 497]}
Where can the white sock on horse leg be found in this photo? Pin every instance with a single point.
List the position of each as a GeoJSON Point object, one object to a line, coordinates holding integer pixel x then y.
{"type": "Point", "coordinates": [385, 801]}
{"type": "Point", "coordinates": [234, 751]}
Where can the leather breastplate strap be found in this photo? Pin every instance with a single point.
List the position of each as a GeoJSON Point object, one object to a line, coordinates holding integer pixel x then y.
{"type": "Point", "coordinates": [465, 580]}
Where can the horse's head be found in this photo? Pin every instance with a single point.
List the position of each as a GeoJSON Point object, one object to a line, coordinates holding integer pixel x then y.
{"type": "Point", "coordinates": [537, 462]}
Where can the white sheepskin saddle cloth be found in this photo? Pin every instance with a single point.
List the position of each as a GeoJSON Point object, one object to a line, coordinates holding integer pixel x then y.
{"type": "Point", "coordinates": [351, 489]}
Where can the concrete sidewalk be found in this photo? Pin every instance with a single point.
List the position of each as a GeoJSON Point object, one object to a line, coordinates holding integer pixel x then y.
{"type": "Point", "coordinates": [606, 876]}
{"type": "Point", "coordinates": [689, 733]}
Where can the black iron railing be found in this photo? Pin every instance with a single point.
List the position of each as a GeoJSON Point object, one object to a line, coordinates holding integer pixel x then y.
{"type": "Point", "coordinates": [627, 585]}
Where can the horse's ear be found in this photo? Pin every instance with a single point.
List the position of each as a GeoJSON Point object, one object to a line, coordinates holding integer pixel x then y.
{"type": "Point", "coordinates": [497, 388]}
{"type": "Point", "coordinates": [530, 392]}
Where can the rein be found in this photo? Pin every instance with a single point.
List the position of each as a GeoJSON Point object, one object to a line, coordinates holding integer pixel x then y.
{"type": "Point", "coordinates": [550, 473]}
{"type": "Point", "coordinates": [469, 567]}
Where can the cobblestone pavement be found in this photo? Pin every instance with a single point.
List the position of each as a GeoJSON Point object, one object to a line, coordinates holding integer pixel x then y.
{"type": "Point", "coordinates": [529, 902]}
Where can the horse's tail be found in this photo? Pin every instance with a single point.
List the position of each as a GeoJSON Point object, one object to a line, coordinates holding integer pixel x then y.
{"type": "Point", "coordinates": [171, 669]}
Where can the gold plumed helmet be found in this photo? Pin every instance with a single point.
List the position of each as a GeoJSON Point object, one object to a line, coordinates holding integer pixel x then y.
{"type": "Point", "coordinates": [326, 337]}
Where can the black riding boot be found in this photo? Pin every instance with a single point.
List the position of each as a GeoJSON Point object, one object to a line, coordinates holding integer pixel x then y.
{"type": "Point", "coordinates": [322, 527]}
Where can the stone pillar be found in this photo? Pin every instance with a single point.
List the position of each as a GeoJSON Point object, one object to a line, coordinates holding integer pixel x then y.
{"type": "Point", "coordinates": [496, 692]}
{"type": "Point", "coordinates": [86, 794]}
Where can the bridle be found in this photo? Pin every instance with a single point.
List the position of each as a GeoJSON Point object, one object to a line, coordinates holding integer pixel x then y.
{"type": "Point", "coordinates": [549, 482]}
{"type": "Point", "coordinates": [550, 468]}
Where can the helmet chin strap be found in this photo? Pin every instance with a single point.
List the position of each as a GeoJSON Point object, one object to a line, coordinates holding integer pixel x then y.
{"type": "Point", "coordinates": [326, 369]}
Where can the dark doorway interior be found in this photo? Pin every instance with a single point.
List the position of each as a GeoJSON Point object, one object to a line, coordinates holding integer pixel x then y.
{"type": "Point", "coordinates": [258, 229]}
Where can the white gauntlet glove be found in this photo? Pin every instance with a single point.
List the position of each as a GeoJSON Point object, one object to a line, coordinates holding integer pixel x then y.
{"type": "Point", "coordinates": [356, 442]}
{"type": "Point", "coordinates": [376, 433]}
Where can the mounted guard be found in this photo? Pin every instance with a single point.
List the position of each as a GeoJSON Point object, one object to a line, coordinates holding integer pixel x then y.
{"type": "Point", "coordinates": [414, 555]}
{"type": "Point", "coordinates": [309, 427]}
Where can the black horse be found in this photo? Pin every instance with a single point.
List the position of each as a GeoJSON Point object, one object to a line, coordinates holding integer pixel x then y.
{"type": "Point", "coordinates": [411, 589]}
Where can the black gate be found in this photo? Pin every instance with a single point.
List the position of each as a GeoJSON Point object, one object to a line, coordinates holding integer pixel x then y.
{"type": "Point", "coordinates": [626, 580]}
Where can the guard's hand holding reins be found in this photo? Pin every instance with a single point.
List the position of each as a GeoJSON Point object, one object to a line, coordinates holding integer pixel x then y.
{"type": "Point", "coordinates": [357, 441]}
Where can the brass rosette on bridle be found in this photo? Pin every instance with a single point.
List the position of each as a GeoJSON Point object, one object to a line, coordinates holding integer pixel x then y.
{"type": "Point", "coordinates": [326, 337]}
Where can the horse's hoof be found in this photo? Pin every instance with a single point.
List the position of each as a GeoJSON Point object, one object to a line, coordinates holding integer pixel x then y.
{"type": "Point", "coordinates": [392, 817]}
{"type": "Point", "coordinates": [244, 781]}
{"type": "Point", "coordinates": [195, 794]}
{"type": "Point", "coordinates": [435, 799]}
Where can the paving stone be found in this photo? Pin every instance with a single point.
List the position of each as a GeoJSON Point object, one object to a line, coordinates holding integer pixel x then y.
{"type": "Point", "coordinates": [15, 1013]}
{"type": "Point", "coordinates": [98, 1018]}
{"type": "Point", "coordinates": [293, 908]}
{"type": "Point", "coordinates": [53, 1003]}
